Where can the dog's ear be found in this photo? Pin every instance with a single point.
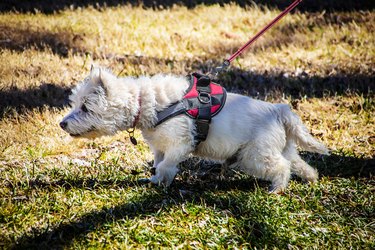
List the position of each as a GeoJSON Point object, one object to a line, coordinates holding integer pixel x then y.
{"type": "Point", "coordinates": [101, 77]}
{"type": "Point", "coordinates": [105, 79]}
{"type": "Point", "coordinates": [94, 74]}
{"type": "Point", "coordinates": [92, 69]}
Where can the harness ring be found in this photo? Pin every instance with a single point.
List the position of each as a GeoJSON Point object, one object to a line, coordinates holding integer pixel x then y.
{"type": "Point", "coordinates": [204, 97]}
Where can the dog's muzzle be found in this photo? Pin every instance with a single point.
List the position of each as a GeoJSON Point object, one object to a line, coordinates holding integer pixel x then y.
{"type": "Point", "coordinates": [63, 125]}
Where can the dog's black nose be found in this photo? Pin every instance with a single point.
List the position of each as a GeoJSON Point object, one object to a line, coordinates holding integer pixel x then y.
{"type": "Point", "coordinates": [63, 125]}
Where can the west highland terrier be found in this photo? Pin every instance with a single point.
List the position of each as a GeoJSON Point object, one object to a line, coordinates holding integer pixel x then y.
{"type": "Point", "coordinates": [262, 136]}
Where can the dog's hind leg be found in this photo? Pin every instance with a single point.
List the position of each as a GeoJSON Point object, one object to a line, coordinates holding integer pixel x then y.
{"type": "Point", "coordinates": [299, 166]}
{"type": "Point", "coordinates": [270, 166]}
{"type": "Point", "coordinates": [278, 173]}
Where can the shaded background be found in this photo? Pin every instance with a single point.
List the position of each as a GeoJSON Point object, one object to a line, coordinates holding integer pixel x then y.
{"type": "Point", "coordinates": [51, 6]}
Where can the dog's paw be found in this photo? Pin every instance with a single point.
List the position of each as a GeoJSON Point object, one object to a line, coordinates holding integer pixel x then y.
{"type": "Point", "coordinates": [312, 176]}
{"type": "Point", "coordinates": [155, 180]}
{"type": "Point", "coordinates": [276, 190]}
{"type": "Point", "coordinates": [143, 181]}
{"type": "Point", "coordinates": [165, 182]}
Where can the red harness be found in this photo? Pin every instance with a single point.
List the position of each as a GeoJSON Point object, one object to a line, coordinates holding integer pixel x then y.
{"type": "Point", "coordinates": [203, 100]}
{"type": "Point", "coordinates": [217, 96]}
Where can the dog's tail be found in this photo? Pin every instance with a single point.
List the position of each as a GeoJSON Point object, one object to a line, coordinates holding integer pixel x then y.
{"type": "Point", "coordinates": [298, 132]}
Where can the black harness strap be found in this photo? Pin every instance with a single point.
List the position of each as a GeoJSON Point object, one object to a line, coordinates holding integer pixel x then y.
{"type": "Point", "coordinates": [204, 111]}
{"type": "Point", "coordinates": [199, 99]}
{"type": "Point", "coordinates": [175, 109]}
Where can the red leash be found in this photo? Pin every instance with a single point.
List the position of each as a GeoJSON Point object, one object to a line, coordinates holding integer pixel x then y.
{"type": "Point", "coordinates": [227, 62]}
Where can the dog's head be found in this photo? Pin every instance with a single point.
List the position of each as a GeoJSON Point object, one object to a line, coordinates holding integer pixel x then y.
{"type": "Point", "coordinates": [97, 106]}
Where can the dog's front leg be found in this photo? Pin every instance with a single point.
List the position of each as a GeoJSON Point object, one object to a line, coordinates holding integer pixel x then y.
{"type": "Point", "coordinates": [158, 157]}
{"type": "Point", "coordinates": [165, 172]}
{"type": "Point", "coordinates": [167, 169]}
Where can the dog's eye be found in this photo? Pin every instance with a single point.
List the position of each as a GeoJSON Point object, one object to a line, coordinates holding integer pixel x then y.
{"type": "Point", "coordinates": [84, 108]}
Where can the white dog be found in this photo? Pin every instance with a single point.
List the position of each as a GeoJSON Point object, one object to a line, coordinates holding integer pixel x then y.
{"type": "Point", "coordinates": [262, 136]}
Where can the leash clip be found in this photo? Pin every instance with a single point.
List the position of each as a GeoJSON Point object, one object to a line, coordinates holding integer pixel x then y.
{"type": "Point", "coordinates": [222, 67]}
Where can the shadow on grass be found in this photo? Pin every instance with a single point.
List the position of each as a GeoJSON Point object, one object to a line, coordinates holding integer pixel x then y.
{"type": "Point", "coordinates": [341, 165]}
{"type": "Point", "coordinates": [276, 84]}
{"type": "Point", "coordinates": [60, 42]}
{"type": "Point", "coordinates": [197, 190]}
{"type": "Point", "coordinates": [21, 100]}
{"type": "Point", "coordinates": [51, 6]}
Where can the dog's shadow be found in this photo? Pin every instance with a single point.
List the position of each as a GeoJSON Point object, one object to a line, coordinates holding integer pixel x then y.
{"type": "Point", "coordinates": [341, 165]}
{"type": "Point", "coordinates": [194, 191]}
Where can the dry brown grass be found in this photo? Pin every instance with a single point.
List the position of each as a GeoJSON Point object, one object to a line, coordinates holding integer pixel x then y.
{"type": "Point", "coordinates": [40, 50]}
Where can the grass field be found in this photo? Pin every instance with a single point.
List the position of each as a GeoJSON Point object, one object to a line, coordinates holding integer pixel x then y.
{"type": "Point", "coordinates": [57, 192]}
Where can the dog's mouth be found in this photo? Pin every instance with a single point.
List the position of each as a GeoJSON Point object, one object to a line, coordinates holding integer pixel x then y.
{"type": "Point", "coordinates": [88, 133]}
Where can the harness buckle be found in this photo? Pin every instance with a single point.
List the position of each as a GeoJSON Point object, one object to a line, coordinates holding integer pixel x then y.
{"type": "Point", "coordinates": [204, 97]}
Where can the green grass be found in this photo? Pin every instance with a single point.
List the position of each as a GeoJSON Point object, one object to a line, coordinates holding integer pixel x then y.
{"type": "Point", "coordinates": [106, 207]}
{"type": "Point", "coordinates": [56, 192]}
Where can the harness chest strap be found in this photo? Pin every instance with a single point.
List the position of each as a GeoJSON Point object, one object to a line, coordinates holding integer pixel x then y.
{"type": "Point", "coordinates": [203, 100]}
{"type": "Point", "coordinates": [203, 119]}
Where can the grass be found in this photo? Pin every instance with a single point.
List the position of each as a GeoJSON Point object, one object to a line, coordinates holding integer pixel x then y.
{"type": "Point", "coordinates": [56, 192]}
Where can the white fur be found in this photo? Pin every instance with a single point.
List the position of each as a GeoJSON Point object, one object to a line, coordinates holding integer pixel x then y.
{"type": "Point", "coordinates": [262, 135]}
